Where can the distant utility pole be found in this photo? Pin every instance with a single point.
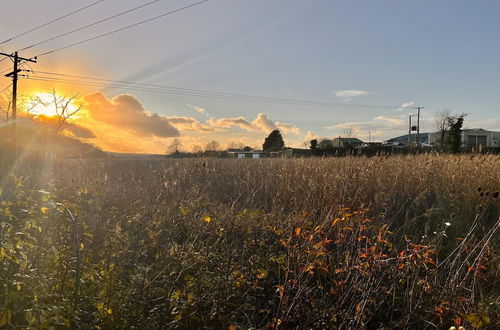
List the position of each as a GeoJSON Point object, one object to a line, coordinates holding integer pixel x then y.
{"type": "Point", "coordinates": [14, 74]}
{"type": "Point", "coordinates": [411, 128]}
{"type": "Point", "coordinates": [418, 125]}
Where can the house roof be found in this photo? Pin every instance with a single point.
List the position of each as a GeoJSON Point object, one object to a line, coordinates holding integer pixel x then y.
{"type": "Point", "coordinates": [351, 140]}
{"type": "Point", "coordinates": [422, 136]}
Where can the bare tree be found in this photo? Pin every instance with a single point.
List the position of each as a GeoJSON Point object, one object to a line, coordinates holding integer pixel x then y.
{"type": "Point", "coordinates": [348, 132]}
{"type": "Point", "coordinates": [197, 149]}
{"type": "Point", "coordinates": [5, 107]}
{"type": "Point", "coordinates": [175, 147]}
{"type": "Point", "coordinates": [441, 124]}
{"type": "Point", "coordinates": [235, 145]}
{"type": "Point", "coordinates": [212, 146]}
{"type": "Point", "coordinates": [64, 111]}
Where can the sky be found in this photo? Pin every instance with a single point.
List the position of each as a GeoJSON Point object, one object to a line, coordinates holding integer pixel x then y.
{"type": "Point", "coordinates": [386, 55]}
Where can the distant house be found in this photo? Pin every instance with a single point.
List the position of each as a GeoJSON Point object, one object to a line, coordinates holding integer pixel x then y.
{"type": "Point", "coordinates": [403, 140]}
{"type": "Point", "coordinates": [346, 142]}
{"type": "Point", "coordinates": [325, 144]}
{"type": "Point", "coordinates": [246, 154]}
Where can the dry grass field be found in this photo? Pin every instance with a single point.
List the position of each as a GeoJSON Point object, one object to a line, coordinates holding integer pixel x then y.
{"type": "Point", "coordinates": [403, 242]}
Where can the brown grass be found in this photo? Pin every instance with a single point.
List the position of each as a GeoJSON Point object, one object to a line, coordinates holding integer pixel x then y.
{"type": "Point", "coordinates": [347, 242]}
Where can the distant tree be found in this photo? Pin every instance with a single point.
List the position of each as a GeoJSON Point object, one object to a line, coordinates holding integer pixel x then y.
{"type": "Point", "coordinates": [174, 147]}
{"type": "Point", "coordinates": [314, 145]}
{"type": "Point", "coordinates": [247, 148]}
{"type": "Point", "coordinates": [454, 135]}
{"type": "Point", "coordinates": [274, 142]}
{"type": "Point", "coordinates": [441, 126]}
{"type": "Point", "coordinates": [196, 148]}
{"type": "Point", "coordinates": [212, 146]}
{"type": "Point", "coordinates": [235, 145]}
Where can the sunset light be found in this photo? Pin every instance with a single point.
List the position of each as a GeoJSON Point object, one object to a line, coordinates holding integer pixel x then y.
{"type": "Point", "coordinates": [252, 164]}
{"type": "Point", "coordinates": [45, 104]}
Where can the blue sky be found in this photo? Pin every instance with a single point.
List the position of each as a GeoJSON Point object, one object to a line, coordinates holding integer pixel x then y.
{"type": "Point", "coordinates": [438, 54]}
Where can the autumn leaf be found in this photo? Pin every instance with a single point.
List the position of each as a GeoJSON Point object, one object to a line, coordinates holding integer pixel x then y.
{"type": "Point", "coordinates": [5, 317]}
{"type": "Point", "coordinates": [358, 308]}
{"type": "Point", "coordinates": [285, 244]}
{"type": "Point", "coordinates": [261, 273]}
{"type": "Point", "coordinates": [281, 290]}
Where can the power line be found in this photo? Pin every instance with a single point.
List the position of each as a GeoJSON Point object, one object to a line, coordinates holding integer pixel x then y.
{"type": "Point", "coordinates": [204, 91]}
{"type": "Point", "coordinates": [89, 25]}
{"type": "Point", "coordinates": [107, 83]}
{"type": "Point", "coordinates": [52, 21]}
{"type": "Point", "coordinates": [123, 28]}
{"type": "Point", "coordinates": [1, 72]}
{"type": "Point", "coordinates": [3, 90]}
{"type": "Point", "coordinates": [159, 91]}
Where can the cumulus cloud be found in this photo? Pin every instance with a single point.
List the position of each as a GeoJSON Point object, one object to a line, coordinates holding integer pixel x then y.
{"type": "Point", "coordinates": [348, 94]}
{"type": "Point", "coordinates": [288, 129]}
{"type": "Point", "coordinates": [263, 123]}
{"type": "Point", "coordinates": [311, 136]}
{"type": "Point", "coordinates": [241, 122]}
{"type": "Point", "coordinates": [127, 113]}
{"type": "Point", "coordinates": [189, 124]}
{"type": "Point", "coordinates": [123, 124]}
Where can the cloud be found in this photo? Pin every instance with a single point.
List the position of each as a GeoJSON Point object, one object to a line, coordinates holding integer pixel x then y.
{"type": "Point", "coordinates": [127, 113]}
{"type": "Point", "coordinates": [391, 120]}
{"type": "Point", "coordinates": [200, 110]}
{"type": "Point", "coordinates": [407, 105]}
{"type": "Point", "coordinates": [123, 124]}
{"type": "Point", "coordinates": [188, 124]}
{"type": "Point", "coordinates": [241, 122]}
{"type": "Point", "coordinates": [288, 129]}
{"type": "Point", "coordinates": [263, 123]}
{"type": "Point", "coordinates": [311, 136]}
{"type": "Point", "coordinates": [348, 94]}
{"type": "Point", "coordinates": [380, 127]}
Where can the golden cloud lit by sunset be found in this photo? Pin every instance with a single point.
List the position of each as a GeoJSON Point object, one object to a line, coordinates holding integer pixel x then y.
{"type": "Point", "coordinates": [123, 124]}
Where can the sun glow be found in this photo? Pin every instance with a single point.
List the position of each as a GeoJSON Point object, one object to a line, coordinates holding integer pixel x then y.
{"type": "Point", "coordinates": [49, 105]}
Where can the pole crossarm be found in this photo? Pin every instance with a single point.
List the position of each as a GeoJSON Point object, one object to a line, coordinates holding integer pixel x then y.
{"type": "Point", "coordinates": [11, 74]}
{"type": "Point", "coordinates": [33, 60]}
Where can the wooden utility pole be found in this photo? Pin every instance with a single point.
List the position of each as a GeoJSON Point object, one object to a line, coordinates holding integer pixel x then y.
{"type": "Point", "coordinates": [14, 74]}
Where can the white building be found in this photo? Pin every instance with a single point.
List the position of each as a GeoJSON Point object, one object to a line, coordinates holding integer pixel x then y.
{"type": "Point", "coordinates": [474, 137]}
